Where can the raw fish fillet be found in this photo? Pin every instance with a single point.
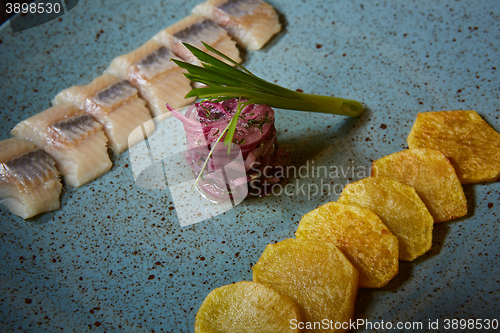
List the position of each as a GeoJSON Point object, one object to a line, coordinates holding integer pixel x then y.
{"type": "Point", "coordinates": [250, 22]}
{"type": "Point", "coordinates": [194, 29]}
{"type": "Point", "coordinates": [159, 80]}
{"type": "Point", "coordinates": [29, 180]}
{"type": "Point", "coordinates": [74, 140]}
{"type": "Point", "coordinates": [112, 102]}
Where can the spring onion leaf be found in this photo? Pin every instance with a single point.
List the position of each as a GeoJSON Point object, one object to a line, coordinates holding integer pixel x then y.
{"type": "Point", "coordinates": [225, 81]}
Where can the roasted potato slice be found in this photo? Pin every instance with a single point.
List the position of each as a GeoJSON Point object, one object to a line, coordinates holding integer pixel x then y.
{"type": "Point", "coordinates": [246, 307]}
{"type": "Point", "coordinates": [432, 176]}
{"type": "Point", "coordinates": [399, 207]}
{"type": "Point", "coordinates": [316, 276]}
{"type": "Point", "coordinates": [360, 234]}
{"type": "Point", "coordinates": [471, 145]}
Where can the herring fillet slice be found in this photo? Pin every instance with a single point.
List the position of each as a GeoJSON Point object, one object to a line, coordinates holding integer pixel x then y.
{"type": "Point", "coordinates": [250, 22]}
{"type": "Point", "coordinates": [195, 29]}
{"type": "Point", "coordinates": [112, 102]}
{"type": "Point", "coordinates": [73, 138]}
{"type": "Point", "coordinates": [159, 80]}
{"type": "Point", "coordinates": [77, 94]}
{"type": "Point", "coordinates": [29, 180]}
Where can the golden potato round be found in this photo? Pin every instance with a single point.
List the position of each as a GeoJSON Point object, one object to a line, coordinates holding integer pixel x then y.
{"type": "Point", "coordinates": [246, 307]}
{"type": "Point", "coordinates": [433, 177]}
{"type": "Point", "coordinates": [399, 207]}
{"type": "Point", "coordinates": [316, 276]}
{"type": "Point", "coordinates": [362, 237]}
{"type": "Point", "coordinates": [471, 145]}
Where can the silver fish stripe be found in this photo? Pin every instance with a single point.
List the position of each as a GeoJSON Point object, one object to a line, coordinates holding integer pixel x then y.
{"type": "Point", "coordinates": [156, 62]}
{"type": "Point", "coordinates": [196, 32]}
{"type": "Point", "coordinates": [120, 91]}
{"type": "Point", "coordinates": [160, 54]}
{"type": "Point", "coordinates": [29, 169]}
{"type": "Point", "coordinates": [238, 7]}
{"type": "Point", "coordinates": [76, 128]}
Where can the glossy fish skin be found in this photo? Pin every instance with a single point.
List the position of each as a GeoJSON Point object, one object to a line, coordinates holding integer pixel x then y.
{"type": "Point", "coordinates": [72, 138]}
{"type": "Point", "coordinates": [158, 79]}
{"type": "Point", "coordinates": [112, 102]}
{"type": "Point", "coordinates": [29, 180]}
{"type": "Point", "coordinates": [77, 94]}
{"type": "Point", "coordinates": [250, 22]}
{"type": "Point", "coordinates": [194, 29]}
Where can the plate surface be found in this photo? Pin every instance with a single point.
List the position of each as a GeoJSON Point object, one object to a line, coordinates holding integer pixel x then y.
{"type": "Point", "coordinates": [114, 257]}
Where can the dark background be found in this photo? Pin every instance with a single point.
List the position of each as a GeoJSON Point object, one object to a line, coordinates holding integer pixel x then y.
{"type": "Point", "coordinates": [3, 14]}
{"type": "Point", "coordinates": [26, 21]}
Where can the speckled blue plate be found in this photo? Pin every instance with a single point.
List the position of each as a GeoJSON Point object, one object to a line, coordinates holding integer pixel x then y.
{"type": "Point", "coordinates": [114, 257]}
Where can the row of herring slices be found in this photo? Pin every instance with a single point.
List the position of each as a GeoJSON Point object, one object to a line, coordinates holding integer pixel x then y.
{"type": "Point", "coordinates": [72, 137]}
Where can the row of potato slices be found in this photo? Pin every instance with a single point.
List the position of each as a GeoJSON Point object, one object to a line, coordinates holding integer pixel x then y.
{"type": "Point", "coordinates": [357, 241]}
{"type": "Point", "coordinates": [339, 247]}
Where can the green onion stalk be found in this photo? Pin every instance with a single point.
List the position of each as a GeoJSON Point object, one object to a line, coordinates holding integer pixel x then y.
{"type": "Point", "coordinates": [223, 81]}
